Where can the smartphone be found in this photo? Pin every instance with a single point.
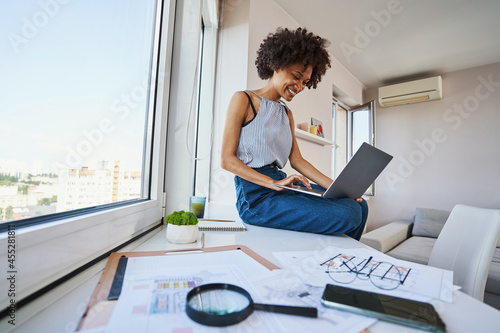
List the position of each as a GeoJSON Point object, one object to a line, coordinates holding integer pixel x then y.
{"type": "Point", "coordinates": [389, 308]}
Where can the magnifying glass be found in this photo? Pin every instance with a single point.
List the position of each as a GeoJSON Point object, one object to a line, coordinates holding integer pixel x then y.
{"type": "Point", "coordinates": [222, 304]}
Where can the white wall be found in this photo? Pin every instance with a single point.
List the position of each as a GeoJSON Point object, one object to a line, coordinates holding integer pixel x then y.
{"type": "Point", "coordinates": [245, 24]}
{"type": "Point", "coordinates": [445, 152]}
{"type": "Point", "coordinates": [231, 76]}
{"type": "Point", "coordinates": [265, 17]}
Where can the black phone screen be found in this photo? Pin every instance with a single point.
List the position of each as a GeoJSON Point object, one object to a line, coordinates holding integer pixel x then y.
{"type": "Point", "coordinates": [390, 308]}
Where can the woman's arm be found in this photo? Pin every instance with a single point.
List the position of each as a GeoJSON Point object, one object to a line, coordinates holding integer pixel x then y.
{"type": "Point", "coordinates": [238, 113]}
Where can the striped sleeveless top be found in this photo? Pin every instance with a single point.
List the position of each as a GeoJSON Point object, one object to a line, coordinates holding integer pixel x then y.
{"type": "Point", "coordinates": [267, 138]}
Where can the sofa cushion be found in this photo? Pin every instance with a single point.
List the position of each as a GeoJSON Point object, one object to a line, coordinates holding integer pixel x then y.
{"type": "Point", "coordinates": [429, 222]}
{"type": "Point", "coordinates": [388, 236]}
{"type": "Point", "coordinates": [416, 249]}
{"type": "Point", "coordinates": [493, 281]}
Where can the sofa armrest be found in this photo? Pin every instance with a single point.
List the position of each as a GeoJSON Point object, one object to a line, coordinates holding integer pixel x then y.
{"type": "Point", "coordinates": [388, 236]}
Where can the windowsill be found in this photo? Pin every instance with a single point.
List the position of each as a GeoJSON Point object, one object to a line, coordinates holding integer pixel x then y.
{"type": "Point", "coordinates": [312, 138]}
{"type": "Point", "coordinates": [47, 252]}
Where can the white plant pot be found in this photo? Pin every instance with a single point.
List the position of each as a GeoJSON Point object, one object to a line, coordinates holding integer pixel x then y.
{"type": "Point", "coordinates": [182, 234]}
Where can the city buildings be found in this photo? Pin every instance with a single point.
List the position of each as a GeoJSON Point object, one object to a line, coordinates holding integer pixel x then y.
{"type": "Point", "coordinates": [25, 195]}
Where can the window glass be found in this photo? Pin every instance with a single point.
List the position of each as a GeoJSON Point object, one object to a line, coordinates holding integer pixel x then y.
{"type": "Point", "coordinates": [361, 130]}
{"type": "Point", "coordinates": [75, 89]}
{"type": "Point", "coordinates": [361, 125]}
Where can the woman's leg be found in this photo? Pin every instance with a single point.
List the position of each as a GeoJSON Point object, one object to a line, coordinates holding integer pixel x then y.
{"type": "Point", "coordinates": [358, 232]}
{"type": "Point", "coordinates": [296, 211]}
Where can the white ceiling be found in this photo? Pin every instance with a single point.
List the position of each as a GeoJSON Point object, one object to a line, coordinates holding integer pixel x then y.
{"type": "Point", "coordinates": [419, 39]}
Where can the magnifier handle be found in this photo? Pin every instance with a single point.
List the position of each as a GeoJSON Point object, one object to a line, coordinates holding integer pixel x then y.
{"type": "Point", "coordinates": [304, 311]}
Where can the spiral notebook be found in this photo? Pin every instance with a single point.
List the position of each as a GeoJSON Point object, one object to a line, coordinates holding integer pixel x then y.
{"type": "Point", "coordinates": [220, 225]}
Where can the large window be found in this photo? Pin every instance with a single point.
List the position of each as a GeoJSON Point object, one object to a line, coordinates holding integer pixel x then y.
{"type": "Point", "coordinates": [76, 105]}
{"type": "Point", "coordinates": [85, 93]}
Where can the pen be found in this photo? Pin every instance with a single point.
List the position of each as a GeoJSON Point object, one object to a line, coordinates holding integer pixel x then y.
{"type": "Point", "coordinates": [202, 240]}
{"type": "Point", "coordinates": [215, 220]}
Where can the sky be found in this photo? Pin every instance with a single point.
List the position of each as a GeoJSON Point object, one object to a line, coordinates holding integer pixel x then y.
{"type": "Point", "coordinates": [73, 81]}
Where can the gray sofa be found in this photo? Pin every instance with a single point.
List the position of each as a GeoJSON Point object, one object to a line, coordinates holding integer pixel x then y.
{"type": "Point", "coordinates": [414, 240]}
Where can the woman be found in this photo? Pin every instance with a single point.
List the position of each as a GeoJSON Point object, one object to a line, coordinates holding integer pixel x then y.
{"type": "Point", "coordinates": [259, 139]}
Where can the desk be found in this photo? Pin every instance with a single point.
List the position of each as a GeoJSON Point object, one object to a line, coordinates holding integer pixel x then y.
{"type": "Point", "coordinates": [466, 314]}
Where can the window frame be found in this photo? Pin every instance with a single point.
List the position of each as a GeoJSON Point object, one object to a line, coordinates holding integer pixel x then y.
{"type": "Point", "coordinates": [188, 173]}
{"type": "Point", "coordinates": [206, 92]}
{"type": "Point", "coordinates": [340, 126]}
{"type": "Point", "coordinates": [47, 251]}
{"type": "Point", "coordinates": [344, 141]}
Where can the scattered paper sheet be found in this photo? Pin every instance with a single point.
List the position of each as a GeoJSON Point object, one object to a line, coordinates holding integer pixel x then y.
{"type": "Point", "coordinates": [371, 271]}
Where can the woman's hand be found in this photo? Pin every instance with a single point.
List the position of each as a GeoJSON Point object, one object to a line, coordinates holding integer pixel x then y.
{"type": "Point", "coordinates": [288, 181]}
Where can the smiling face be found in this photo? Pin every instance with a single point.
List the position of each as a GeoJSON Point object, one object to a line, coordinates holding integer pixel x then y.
{"type": "Point", "coordinates": [291, 80]}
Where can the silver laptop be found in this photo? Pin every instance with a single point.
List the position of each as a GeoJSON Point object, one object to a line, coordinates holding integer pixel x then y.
{"type": "Point", "coordinates": [359, 173]}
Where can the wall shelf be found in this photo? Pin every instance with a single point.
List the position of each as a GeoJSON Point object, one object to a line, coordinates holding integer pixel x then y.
{"type": "Point", "coordinates": [313, 138]}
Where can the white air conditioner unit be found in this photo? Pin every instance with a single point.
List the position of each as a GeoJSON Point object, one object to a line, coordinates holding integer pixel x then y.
{"type": "Point", "coordinates": [411, 92]}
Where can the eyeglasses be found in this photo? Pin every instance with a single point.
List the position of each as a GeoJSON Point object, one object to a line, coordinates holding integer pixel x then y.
{"type": "Point", "coordinates": [345, 269]}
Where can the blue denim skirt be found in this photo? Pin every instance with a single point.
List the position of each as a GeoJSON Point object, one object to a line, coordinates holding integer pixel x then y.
{"type": "Point", "coordinates": [293, 210]}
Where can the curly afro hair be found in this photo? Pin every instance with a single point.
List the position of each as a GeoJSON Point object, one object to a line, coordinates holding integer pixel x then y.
{"type": "Point", "coordinates": [289, 47]}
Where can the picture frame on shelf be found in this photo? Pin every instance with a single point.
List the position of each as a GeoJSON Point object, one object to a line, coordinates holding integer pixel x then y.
{"type": "Point", "coordinates": [319, 127]}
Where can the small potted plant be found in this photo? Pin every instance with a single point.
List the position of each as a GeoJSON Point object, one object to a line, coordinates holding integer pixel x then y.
{"type": "Point", "coordinates": [182, 227]}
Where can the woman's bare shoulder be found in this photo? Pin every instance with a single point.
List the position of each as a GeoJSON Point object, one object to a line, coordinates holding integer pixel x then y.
{"type": "Point", "coordinates": [240, 94]}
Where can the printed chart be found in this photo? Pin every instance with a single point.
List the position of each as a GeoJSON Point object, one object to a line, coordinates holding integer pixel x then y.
{"type": "Point", "coordinates": [169, 295]}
